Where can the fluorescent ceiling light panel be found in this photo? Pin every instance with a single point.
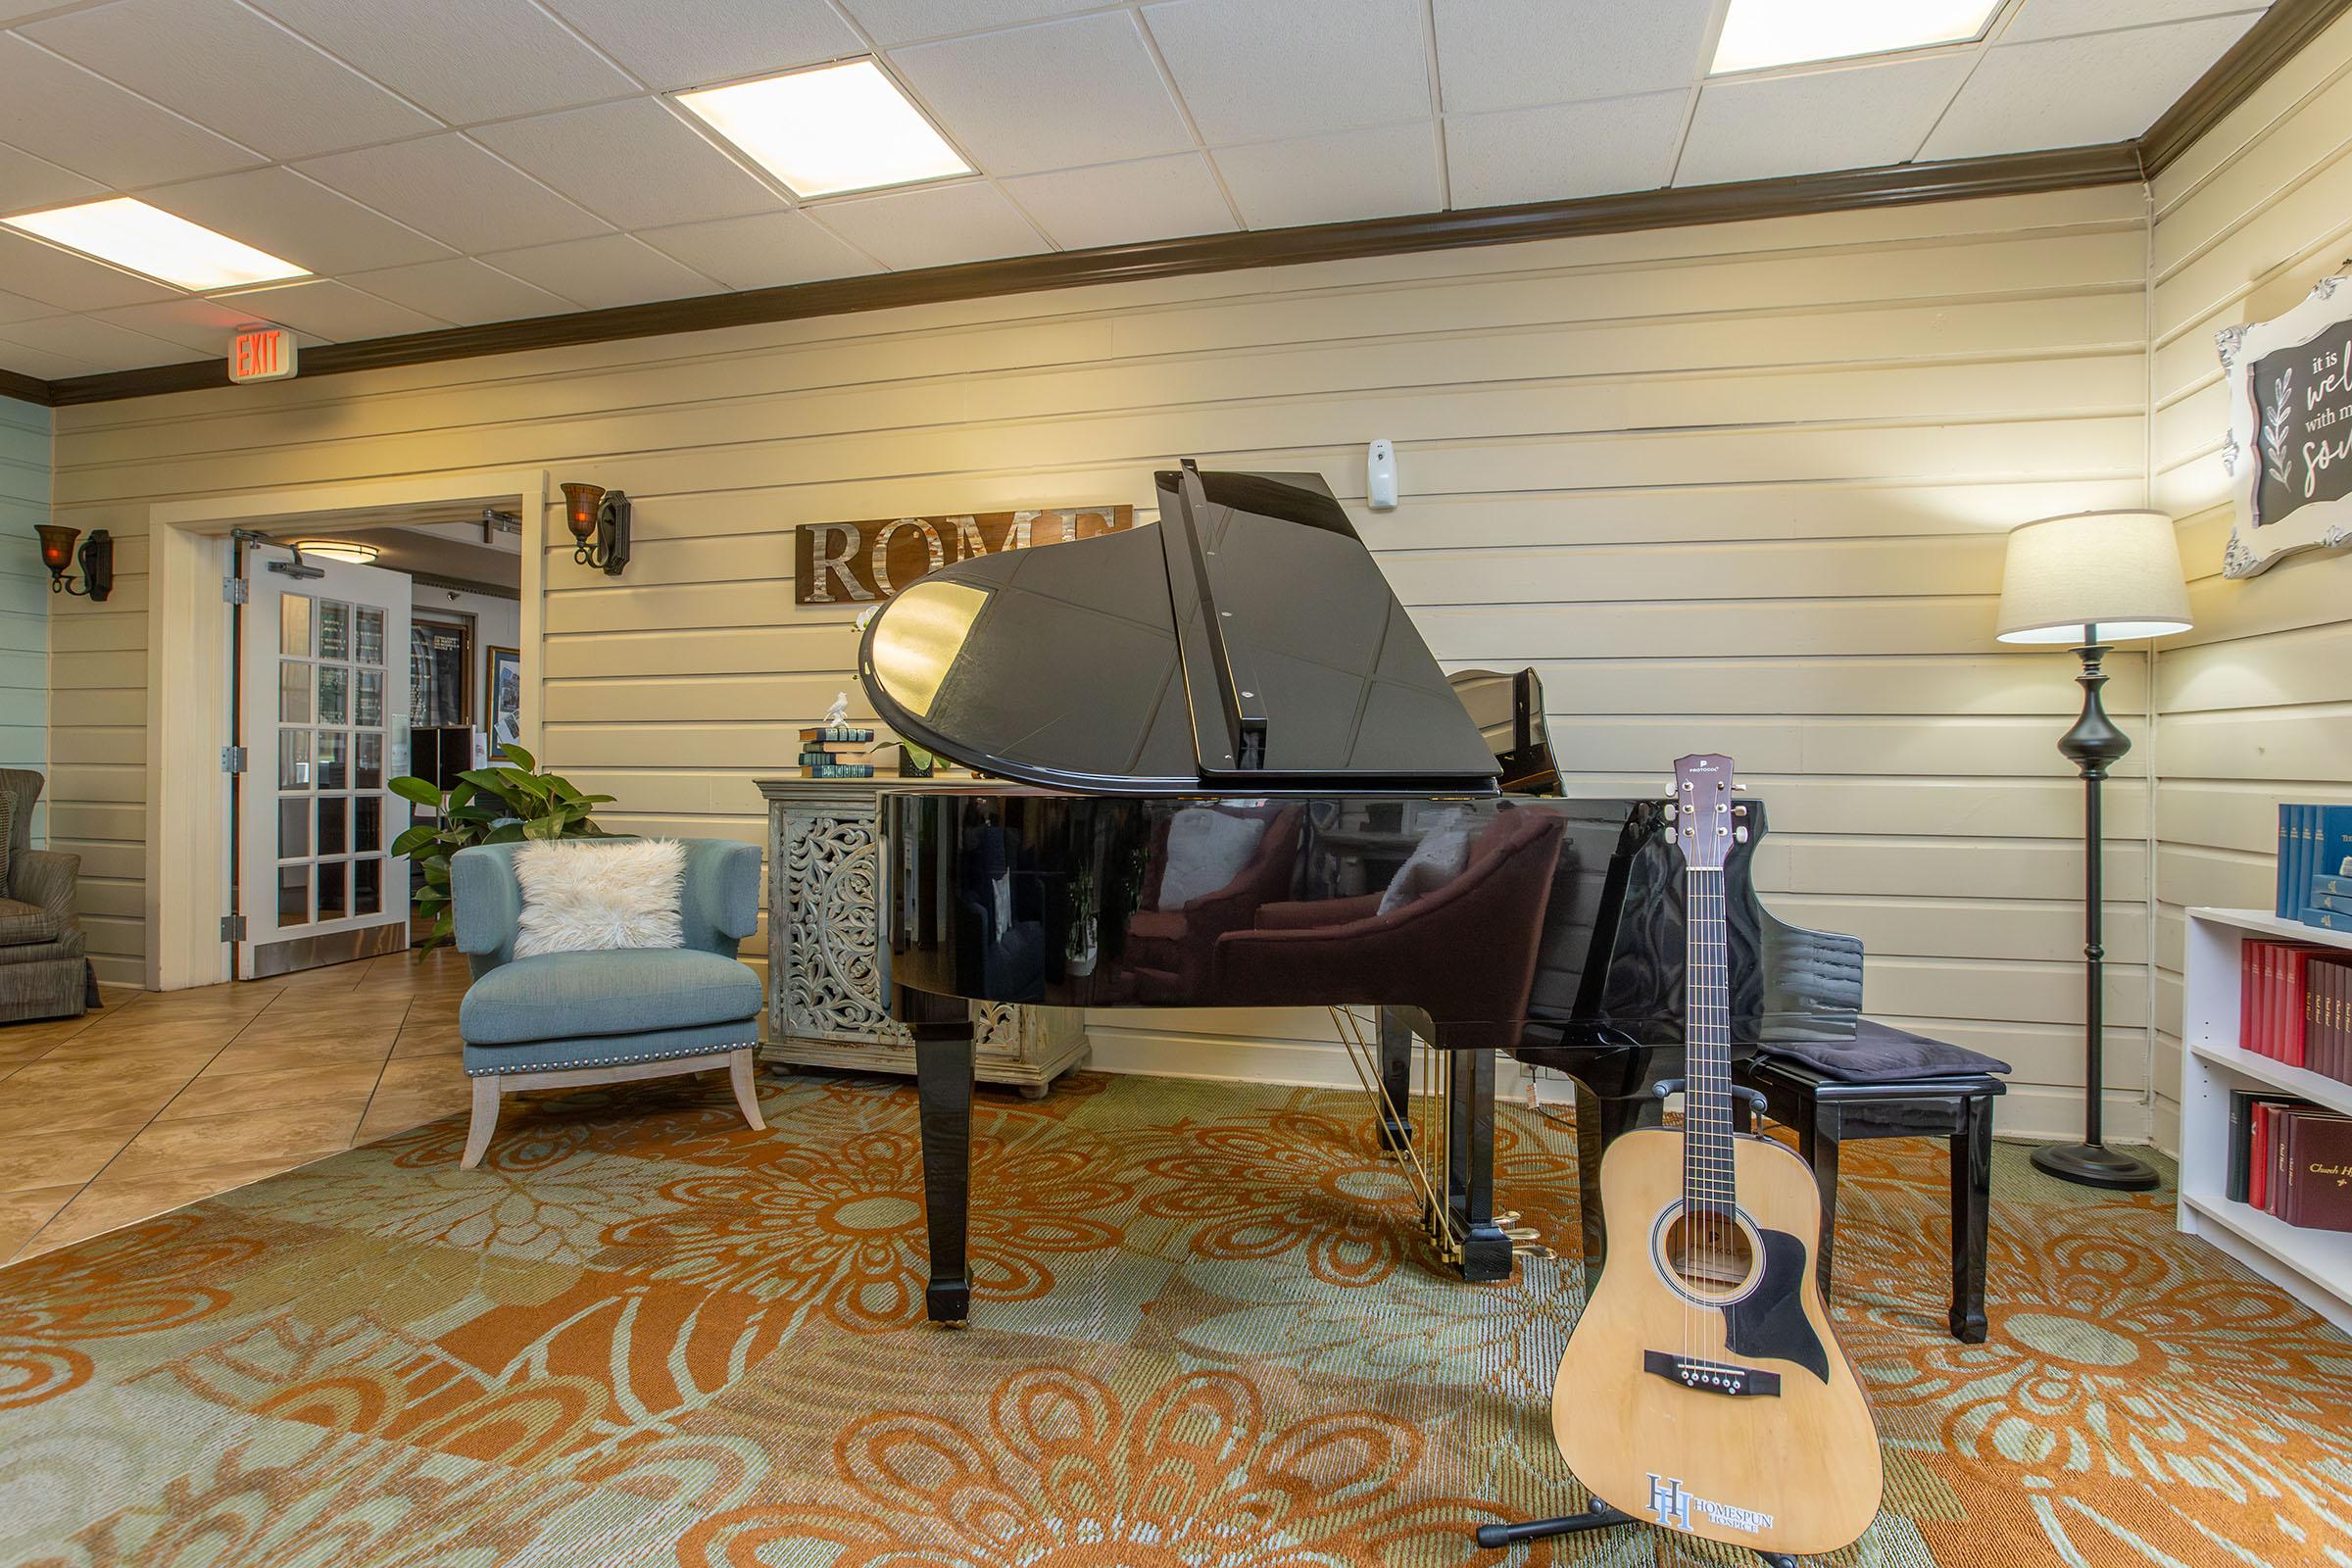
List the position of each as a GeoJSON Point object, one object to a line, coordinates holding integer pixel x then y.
{"type": "Point", "coordinates": [832, 129]}
{"type": "Point", "coordinates": [1761, 33]}
{"type": "Point", "coordinates": [147, 239]}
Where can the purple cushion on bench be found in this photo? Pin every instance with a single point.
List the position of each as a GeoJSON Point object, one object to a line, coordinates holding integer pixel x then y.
{"type": "Point", "coordinates": [1879, 1055]}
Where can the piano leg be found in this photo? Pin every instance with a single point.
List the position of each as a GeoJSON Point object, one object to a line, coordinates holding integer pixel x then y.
{"type": "Point", "coordinates": [943, 1080]}
{"type": "Point", "coordinates": [1470, 1165]}
{"type": "Point", "coordinates": [1395, 1080]}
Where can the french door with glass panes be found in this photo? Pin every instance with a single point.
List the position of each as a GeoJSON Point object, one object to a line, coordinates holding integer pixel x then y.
{"type": "Point", "coordinates": [324, 711]}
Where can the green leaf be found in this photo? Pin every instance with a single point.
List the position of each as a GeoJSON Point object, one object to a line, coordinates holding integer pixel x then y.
{"type": "Point", "coordinates": [520, 758]}
{"type": "Point", "coordinates": [410, 788]}
{"type": "Point", "coordinates": [414, 839]}
{"type": "Point", "coordinates": [505, 833]}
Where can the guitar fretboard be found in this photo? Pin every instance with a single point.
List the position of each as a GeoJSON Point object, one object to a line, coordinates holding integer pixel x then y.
{"type": "Point", "coordinates": [1708, 1187]}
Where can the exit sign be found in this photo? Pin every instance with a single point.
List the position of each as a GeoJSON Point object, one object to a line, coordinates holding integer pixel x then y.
{"type": "Point", "coordinates": [261, 354]}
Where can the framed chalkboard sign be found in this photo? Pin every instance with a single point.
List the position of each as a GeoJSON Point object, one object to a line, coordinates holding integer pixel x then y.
{"type": "Point", "coordinates": [2290, 430]}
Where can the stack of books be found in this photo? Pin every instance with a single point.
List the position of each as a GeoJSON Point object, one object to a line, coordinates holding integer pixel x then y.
{"type": "Point", "coordinates": [835, 751]}
{"type": "Point", "coordinates": [2295, 1005]}
{"type": "Point", "coordinates": [2315, 866]}
{"type": "Point", "coordinates": [2292, 1160]}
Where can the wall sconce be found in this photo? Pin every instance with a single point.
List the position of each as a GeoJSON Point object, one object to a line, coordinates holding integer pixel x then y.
{"type": "Point", "coordinates": [345, 549]}
{"type": "Point", "coordinates": [599, 519]}
{"type": "Point", "coordinates": [97, 561]}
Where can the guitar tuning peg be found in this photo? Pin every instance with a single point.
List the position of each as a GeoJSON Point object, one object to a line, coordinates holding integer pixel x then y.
{"type": "Point", "coordinates": [1670, 808]}
{"type": "Point", "coordinates": [1740, 835]}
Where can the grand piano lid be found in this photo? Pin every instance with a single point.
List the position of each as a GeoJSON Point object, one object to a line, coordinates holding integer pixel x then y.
{"type": "Point", "coordinates": [1245, 644]}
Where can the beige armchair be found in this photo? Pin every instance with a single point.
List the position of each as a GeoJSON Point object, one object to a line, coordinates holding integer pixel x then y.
{"type": "Point", "coordinates": [43, 970]}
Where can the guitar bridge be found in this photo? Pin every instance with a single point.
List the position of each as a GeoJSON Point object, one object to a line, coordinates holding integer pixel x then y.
{"type": "Point", "coordinates": [1712, 1377]}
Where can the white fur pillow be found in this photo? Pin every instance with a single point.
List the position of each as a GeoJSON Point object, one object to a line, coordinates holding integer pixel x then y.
{"type": "Point", "coordinates": [579, 896]}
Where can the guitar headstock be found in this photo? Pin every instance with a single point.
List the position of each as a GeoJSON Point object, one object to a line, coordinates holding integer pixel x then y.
{"type": "Point", "coordinates": [1706, 824]}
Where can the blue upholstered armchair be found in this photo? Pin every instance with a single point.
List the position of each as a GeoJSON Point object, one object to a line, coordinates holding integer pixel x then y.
{"type": "Point", "coordinates": [566, 1019]}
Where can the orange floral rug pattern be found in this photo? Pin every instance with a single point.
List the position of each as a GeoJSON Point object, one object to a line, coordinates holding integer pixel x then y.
{"type": "Point", "coordinates": [1209, 1336]}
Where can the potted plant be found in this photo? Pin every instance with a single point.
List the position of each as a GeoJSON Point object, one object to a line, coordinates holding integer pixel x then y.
{"type": "Point", "coordinates": [503, 804]}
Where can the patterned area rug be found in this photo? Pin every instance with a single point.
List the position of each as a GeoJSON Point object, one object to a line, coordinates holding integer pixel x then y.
{"type": "Point", "coordinates": [1207, 1338]}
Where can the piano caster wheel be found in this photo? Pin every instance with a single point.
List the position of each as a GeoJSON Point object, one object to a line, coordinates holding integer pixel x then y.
{"type": "Point", "coordinates": [1034, 1091]}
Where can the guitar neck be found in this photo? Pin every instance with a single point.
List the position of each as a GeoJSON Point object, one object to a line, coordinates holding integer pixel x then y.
{"type": "Point", "coordinates": [1708, 1122]}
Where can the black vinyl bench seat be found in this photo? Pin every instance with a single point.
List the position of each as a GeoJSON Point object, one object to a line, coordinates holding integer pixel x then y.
{"type": "Point", "coordinates": [1890, 1083]}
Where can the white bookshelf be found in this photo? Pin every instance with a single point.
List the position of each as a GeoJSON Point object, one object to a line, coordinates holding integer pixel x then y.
{"type": "Point", "coordinates": [2314, 1266]}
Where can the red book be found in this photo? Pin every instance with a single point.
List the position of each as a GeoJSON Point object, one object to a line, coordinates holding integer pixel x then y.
{"type": "Point", "coordinates": [2258, 1159]}
{"type": "Point", "coordinates": [2246, 951]}
{"type": "Point", "coordinates": [2319, 1182]}
{"type": "Point", "coordinates": [2283, 1142]}
{"type": "Point", "coordinates": [2294, 1019]}
{"type": "Point", "coordinates": [2265, 969]}
{"type": "Point", "coordinates": [2332, 995]}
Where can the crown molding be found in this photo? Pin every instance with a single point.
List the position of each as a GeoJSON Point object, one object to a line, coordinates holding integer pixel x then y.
{"type": "Point", "coordinates": [2275, 38]}
{"type": "Point", "coordinates": [24, 388]}
{"type": "Point", "coordinates": [1900, 184]}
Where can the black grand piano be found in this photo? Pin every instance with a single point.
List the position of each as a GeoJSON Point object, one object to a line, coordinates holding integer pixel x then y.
{"type": "Point", "coordinates": [1224, 771]}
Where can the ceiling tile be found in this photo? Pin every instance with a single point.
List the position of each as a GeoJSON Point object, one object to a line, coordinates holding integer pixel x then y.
{"type": "Point", "coordinates": [28, 183]}
{"type": "Point", "coordinates": [465, 60]}
{"type": "Point", "coordinates": [608, 269]}
{"type": "Point", "coordinates": [933, 225]}
{"type": "Point", "coordinates": [65, 281]}
{"type": "Point", "coordinates": [1515, 54]}
{"type": "Point", "coordinates": [1117, 204]}
{"type": "Point", "coordinates": [202, 326]}
{"type": "Point", "coordinates": [1325, 179]}
{"type": "Point", "coordinates": [1051, 96]}
{"type": "Point", "coordinates": [232, 70]}
{"type": "Point", "coordinates": [1250, 70]}
{"type": "Point", "coordinates": [1563, 149]}
{"type": "Point", "coordinates": [94, 342]}
{"type": "Point", "coordinates": [695, 43]}
{"type": "Point", "coordinates": [17, 308]}
{"type": "Point", "coordinates": [2054, 18]}
{"type": "Point", "coordinates": [325, 308]}
{"type": "Point", "coordinates": [458, 192]}
{"type": "Point", "coordinates": [767, 250]}
{"type": "Point", "coordinates": [894, 21]}
{"type": "Point", "coordinates": [297, 219]}
{"type": "Point", "coordinates": [634, 164]}
{"type": "Point", "coordinates": [1857, 116]}
{"type": "Point", "coordinates": [2076, 92]}
{"type": "Point", "coordinates": [461, 291]}
{"type": "Point", "coordinates": [62, 113]}
{"type": "Point", "coordinates": [40, 364]}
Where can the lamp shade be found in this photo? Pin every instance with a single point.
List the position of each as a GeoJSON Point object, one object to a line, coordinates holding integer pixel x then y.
{"type": "Point", "coordinates": [2118, 571]}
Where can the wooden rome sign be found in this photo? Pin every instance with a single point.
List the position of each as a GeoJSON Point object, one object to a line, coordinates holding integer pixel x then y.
{"type": "Point", "coordinates": [2289, 450]}
{"type": "Point", "coordinates": [861, 562]}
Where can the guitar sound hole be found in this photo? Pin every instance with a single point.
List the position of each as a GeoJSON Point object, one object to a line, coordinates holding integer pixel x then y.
{"type": "Point", "coordinates": [1709, 1254]}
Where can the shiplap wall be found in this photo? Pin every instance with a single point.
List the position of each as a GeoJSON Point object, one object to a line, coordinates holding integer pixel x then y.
{"type": "Point", "coordinates": [2256, 703]}
{"type": "Point", "coordinates": [1736, 488]}
{"type": "Point", "coordinates": [24, 594]}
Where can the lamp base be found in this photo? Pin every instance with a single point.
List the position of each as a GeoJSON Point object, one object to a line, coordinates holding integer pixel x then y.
{"type": "Point", "coordinates": [2095, 1165]}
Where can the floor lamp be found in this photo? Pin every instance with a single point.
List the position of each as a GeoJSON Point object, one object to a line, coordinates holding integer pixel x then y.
{"type": "Point", "coordinates": [2090, 580]}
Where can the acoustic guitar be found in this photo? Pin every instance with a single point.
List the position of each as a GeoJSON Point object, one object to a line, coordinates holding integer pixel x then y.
{"type": "Point", "coordinates": [1704, 1388]}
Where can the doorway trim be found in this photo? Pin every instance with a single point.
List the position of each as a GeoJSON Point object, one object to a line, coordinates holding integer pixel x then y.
{"type": "Point", "coordinates": [188, 875]}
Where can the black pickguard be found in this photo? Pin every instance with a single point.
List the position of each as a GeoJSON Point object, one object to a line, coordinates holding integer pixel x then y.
{"type": "Point", "coordinates": [1770, 1320]}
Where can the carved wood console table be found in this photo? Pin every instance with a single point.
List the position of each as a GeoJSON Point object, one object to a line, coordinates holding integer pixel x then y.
{"type": "Point", "coordinates": [825, 1007]}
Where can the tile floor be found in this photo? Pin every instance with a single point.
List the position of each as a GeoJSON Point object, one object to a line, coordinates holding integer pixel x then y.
{"type": "Point", "coordinates": [164, 1098]}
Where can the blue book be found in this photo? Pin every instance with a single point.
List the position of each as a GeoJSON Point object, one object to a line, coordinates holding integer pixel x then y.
{"type": "Point", "coordinates": [2307, 862]}
{"type": "Point", "coordinates": [2327, 919]}
{"type": "Point", "coordinates": [2330, 903]}
{"type": "Point", "coordinates": [2335, 847]}
{"type": "Point", "coordinates": [2325, 886]}
{"type": "Point", "coordinates": [2284, 905]}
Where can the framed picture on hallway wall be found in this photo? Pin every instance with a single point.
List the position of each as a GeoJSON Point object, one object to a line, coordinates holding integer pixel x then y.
{"type": "Point", "coordinates": [501, 702]}
{"type": "Point", "coordinates": [2289, 451]}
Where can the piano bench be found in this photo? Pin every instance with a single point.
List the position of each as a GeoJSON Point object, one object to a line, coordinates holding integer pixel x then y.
{"type": "Point", "coordinates": [1896, 1085]}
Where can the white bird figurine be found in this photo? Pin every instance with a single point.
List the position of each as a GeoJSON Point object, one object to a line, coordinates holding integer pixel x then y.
{"type": "Point", "coordinates": [839, 713]}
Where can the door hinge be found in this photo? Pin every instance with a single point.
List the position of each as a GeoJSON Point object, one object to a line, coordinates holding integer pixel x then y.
{"type": "Point", "coordinates": [235, 591]}
{"type": "Point", "coordinates": [232, 928]}
{"type": "Point", "coordinates": [232, 758]}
